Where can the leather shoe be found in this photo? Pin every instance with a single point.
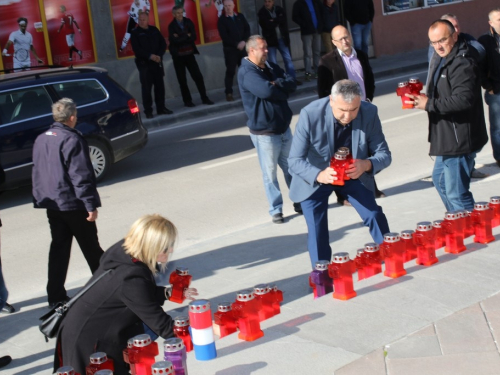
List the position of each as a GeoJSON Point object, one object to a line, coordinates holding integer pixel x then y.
{"type": "Point", "coordinates": [149, 115]}
{"type": "Point", "coordinates": [229, 97]}
{"type": "Point", "coordinates": [189, 104]}
{"type": "Point", "coordinates": [164, 111]}
{"type": "Point", "coordinates": [379, 194]}
{"type": "Point", "coordinates": [208, 102]}
{"type": "Point", "coordinates": [54, 304]}
{"type": "Point", "coordinates": [278, 218]}
{"type": "Point", "coordinates": [298, 208]}
{"type": "Point", "coordinates": [477, 174]}
{"type": "Point", "coordinates": [4, 361]}
{"type": "Point", "coordinates": [8, 309]}
{"type": "Point", "coordinates": [498, 162]}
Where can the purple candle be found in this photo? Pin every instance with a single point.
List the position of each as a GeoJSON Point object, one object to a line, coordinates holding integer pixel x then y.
{"type": "Point", "coordinates": [175, 352]}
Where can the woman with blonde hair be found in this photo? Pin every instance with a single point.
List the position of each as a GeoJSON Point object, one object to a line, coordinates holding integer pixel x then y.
{"type": "Point", "coordinates": [119, 306]}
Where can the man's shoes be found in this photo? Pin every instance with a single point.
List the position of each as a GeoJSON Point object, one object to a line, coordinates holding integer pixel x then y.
{"type": "Point", "coordinates": [165, 111]}
{"type": "Point", "coordinates": [379, 194]}
{"type": "Point", "coordinates": [298, 83]}
{"type": "Point", "coordinates": [208, 102]}
{"type": "Point", "coordinates": [4, 361]}
{"type": "Point", "coordinates": [8, 309]}
{"type": "Point", "coordinates": [229, 97]}
{"type": "Point", "coordinates": [189, 104]}
{"type": "Point", "coordinates": [307, 76]}
{"type": "Point", "coordinates": [498, 162]}
{"type": "Point", "coordinates": [298, 208]}
{"type": "Point", "coordinates": [476, 174]}
{"type": "Point", "coordinates": [149, 115]}
{"type": "Point", "coordinates": [278, 218]}
{"type": "Point", "coordinates": [344, 202]}
{"type": "Point", "coordinates": [54, 304]}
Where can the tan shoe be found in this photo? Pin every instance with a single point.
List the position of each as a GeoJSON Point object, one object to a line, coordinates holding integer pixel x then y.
{"type": "Point", "coordinates": [229, 97]}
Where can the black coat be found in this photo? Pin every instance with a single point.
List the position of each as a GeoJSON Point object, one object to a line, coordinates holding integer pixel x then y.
{"type": "Point", "coordinates": [359, 11]}
{"type": "Point", "coordinates": [147, 42]}
{"type": "Point", "coordinates": [491, 65]}
{"type": "Point", "coordinates": [301, 15]}
{"type": "Point", "coordinates": [455, 105]}
{"type": "Point", "coordinates": [232, 32]}
{"type": "Point", "coordinates": [332, 69]}
{"type": "Point", "coordinates": [182, 40]}
{"type": "Point", "coordinates": [269, 25]}
{"type": "Point", "coordinates": [111, 312]}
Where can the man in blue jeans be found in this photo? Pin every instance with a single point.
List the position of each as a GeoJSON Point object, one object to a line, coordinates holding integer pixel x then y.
{"type": "Point", "coordinates": [264, 89]}
{"type": "Point", "coordinates": [457, 130]}
{"type": "Point", "coordinates": [272, 20]}
{"type": "Point", "coordinates": [360, 14]}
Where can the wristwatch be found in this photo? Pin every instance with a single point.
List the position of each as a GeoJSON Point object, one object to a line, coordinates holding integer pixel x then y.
{"type": "Point", "coordinates": [168, 291]}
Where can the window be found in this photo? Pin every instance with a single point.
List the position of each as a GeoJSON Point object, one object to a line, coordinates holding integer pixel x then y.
{"type": "Point", "coordinates": [399, 5]}
{"type": "Point", "coordinates": [18, 105]}
{"type": "Point", "coordinates": [82, 92]}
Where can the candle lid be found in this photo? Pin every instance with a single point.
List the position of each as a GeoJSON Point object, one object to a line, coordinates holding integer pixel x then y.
{"type": "Point", "coordinates": [451, 215]}
{"type": "Point", "coordinates": [199, 306]}
{"type": "Point", "coordinates": [414, 80]}
{"type": "Point", "coordinates": [391, 237]}
{"type": "Point", "coordinates": [495, 200]}
{"type": "Point", "coordinates": [403, 84]}
{"type": "Point", "coordinates": [245, 295]}
{"type": "Point", "coordinates": [173, 344]}
{"type": "Point", "coordinates": [321, 265]}
{"type": "Point", "coordinates": [424, 226]}
{"type": "Point", "coordinates": [65, 370]}
{"type": "Point", "coordinates": [407, 234]}
{"type": "Point", "coordinates": [182, 271]}
{"type": "Point", "coordinates": [371, 247]}
{"type": "Point", "coordinates": [437, 223]}
{"type": "Point", "coordinates": [340, 156]}
{"type": "Point", "coordinates": [344, 150]}
{"type": "Point", "coordinates": [224, 306]}
{"type": "Point", "coordinates": [181, 321]}
{"type": "Point", "coordinates": [340, 257]}
{"type": "Point", "coordinates": [163, 367]}
{"type": "Point", "coordinates": [261, 289]}
{"type": "Point", "coordinates": [142, 340]}
{"type": "Point", "coordinates": [98, 358]}
{"type": "Point", "coordinates": [481, 206]}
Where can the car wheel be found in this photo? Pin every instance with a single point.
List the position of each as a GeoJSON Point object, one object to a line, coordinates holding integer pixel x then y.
{"type": "Point", "coordinates": [100, 158]}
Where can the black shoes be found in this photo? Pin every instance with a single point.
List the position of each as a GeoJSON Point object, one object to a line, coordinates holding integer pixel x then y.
{"type": "Point", "coordinates": [189, 104]}
{"type": "Point", "coordinates": [298, 83]}
{"type": "Point", "coordinates": [278, 218]}
{"type": "Point", "coordinates": [298, 208]}
{"type": "Point", "coordinates": [229, 98]}
{"type": "Point", "coordinates": [4, 361]}
{"type": "Point", "coordinates": [164, 111]}
{"type": "Point", "coordinates": [8, 309]}
{"type": "Point", "coordinates": [208, 102]}
{"type": "Point", "coordinates": [54, 304]}
{"type": "Point", "coordinates": [149, 115]}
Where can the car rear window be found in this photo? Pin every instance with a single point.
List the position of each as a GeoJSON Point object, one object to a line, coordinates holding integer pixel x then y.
{"type": "Point", "coordinates": [82, 92]}
{"type": "Point", "coordinates": [22, 104]}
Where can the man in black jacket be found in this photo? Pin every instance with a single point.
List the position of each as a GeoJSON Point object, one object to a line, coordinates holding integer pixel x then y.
{"type": "Point", "coordinates": [182, 34]}
{"type": "Point", "coordinates": [491, 79]}
{"type": "Point", "coordinates": [457, 130]}
{"type": "Point", "coordinates": [307, 14]}
{"type": "Point", "coordinates": [149, 47]}
{"type": "Point", "coordinates": [234, 30]}
{"type": "Point", "coordinates": [360, 14]}
{"type": "Point", "coordinates": [64, 183]}
{"type": "Point", "coordinates": [272, 20]}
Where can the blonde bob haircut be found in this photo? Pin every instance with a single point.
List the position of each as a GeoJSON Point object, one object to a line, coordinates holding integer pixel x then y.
{"type": "Point", "coordinates": [148, 237]}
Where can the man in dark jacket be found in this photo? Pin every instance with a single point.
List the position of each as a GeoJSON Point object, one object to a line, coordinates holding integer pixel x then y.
{"type": "Point", "coordinates": [149, 47]}
{"type": "Point", "coordinates": [307, 14]}
{"type": "Point", "coordinates": [64, 183]}
{"type": "Point", "coordinates": [272, 20]}
{"type": "Point", "coordinates": [491, 79]}
{"type": "Point", "coordinates": [234, 30]}
{"type": "Point", "coordinates": [457, 130]}
{"type": "Point", "coordinates": [182, 34]}
{"type": "Point", "coordinates": [264, 89]}
{"type": "Point", "coordinates": [360, 14]}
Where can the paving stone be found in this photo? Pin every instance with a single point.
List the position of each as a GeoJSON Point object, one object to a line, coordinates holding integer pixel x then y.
{"type": "Point", "coordinates": [427, 331]}
{"type": "Point", "coordinates": [373, 364]}
{"type": "Point", "coordinates": [493, 318]}
{"type": "Point", "coordinates": [414, 346]}
{"type": "Point", "coordinates": [492, 303]}
{"type": "Point", "coordinates": [487, 363]}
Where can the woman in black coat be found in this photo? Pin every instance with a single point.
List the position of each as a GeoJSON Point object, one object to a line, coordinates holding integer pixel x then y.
{"type": "Point", "coordinates": [116, 308]}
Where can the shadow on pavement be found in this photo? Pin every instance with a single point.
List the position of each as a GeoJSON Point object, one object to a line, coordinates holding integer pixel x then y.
{"type": "Point", "coordinates": [245, 369]}
{"type": "Point", "coordinates": [46, 367]}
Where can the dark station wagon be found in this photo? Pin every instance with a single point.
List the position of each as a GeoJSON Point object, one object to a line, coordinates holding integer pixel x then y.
{"type": "Point", "coordinates": [108, 117]}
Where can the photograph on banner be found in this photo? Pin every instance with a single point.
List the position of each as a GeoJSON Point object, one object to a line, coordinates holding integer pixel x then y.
{"type": "Point", "coordinates": [70, 32]}
{"type": "Point", "coordinates": [211, 10]}
{"type": "Point", "coordinates": [21, 34]}
{"type": "Point", "coordinates": [165, 15]}
{"type": "Point", "coordinates": [125, 14]}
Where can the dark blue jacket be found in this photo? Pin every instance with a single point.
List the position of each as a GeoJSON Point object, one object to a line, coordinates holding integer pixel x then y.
{"type": "Point", "coordinates": [63, 176]}
{"type": "Point", "coordinates": [233, 30]}
{"type": "Point", "coordinates": [265, 103]}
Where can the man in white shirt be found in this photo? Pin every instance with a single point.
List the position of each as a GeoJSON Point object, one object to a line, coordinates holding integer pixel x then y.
{"type": "Point", "coordinates": [23, 44]}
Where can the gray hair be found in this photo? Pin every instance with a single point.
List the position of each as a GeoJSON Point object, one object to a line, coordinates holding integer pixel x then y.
{"type": "Point", "coordinates": [177, 7]}
{"type": "Point", "coordinates": [63, 109]}
{"type": "Point", "coordinates": [347, 89]}
{"type": "Point", "coordinates": [447, 16]}
{"type": "Point", "coordinates": [252, 42]}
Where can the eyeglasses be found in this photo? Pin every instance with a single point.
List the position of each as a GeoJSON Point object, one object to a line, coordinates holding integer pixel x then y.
{"type": "Point", "coordinates": [345, 39]}
{"type": "Point", "coordinates": [442, 41]}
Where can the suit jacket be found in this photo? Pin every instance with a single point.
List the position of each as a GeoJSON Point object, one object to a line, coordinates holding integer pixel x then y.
{"type": "Point", "coordinates": [313, 146]}
{"type": "Point", "coordinates": [332, 69]}
{"type": "Point", "coordinates": [182, 39]}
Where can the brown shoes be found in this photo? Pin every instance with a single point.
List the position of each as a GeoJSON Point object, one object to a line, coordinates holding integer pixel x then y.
{"type": "Point", "coordinates": [229, 97]}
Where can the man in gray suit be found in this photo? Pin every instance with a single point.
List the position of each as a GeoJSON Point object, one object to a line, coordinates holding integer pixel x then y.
{"type": "Point", "coordinates": [341, 120]}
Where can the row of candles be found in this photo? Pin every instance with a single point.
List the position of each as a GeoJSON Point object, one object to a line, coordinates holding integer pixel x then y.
{"type": "Point", "coordinates": [397, 249]}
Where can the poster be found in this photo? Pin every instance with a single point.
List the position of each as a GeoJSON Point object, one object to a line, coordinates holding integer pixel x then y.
{"type": "Point", "coordinates": [165, 15]}
{"type": "Point", "coordinates": [70, 32]}
{"type": "Point", "coordinates": [210, 12]}
{"type": "Point", "coordinates": [125, 14]}
{"type": "Point", "coordinates": [19, 51]}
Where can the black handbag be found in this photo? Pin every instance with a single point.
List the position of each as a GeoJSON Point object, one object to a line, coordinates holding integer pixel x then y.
{"type": "Point", "coordinates": [52, 320]}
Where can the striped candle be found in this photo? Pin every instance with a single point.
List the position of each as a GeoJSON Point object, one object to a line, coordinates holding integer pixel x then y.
{"type": "Point", "coordinates": [202, 333]}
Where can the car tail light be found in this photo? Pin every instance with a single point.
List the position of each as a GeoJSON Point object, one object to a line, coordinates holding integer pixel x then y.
{"type": "Point", "coordinates": [132, 104]}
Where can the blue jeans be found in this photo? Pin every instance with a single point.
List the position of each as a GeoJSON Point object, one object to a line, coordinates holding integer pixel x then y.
{"type": "Point", "coordinates": [311, 42]}
{"type": "Point", "coordinates": [3, 290]}
{"type": "Point", "coordinates": [315, 209]}
{"type": "Point", "coordinates": [273, 150]}
{"type": "Point", "coordinates": [360, 35]}
{"type": "Point", "coordinates": [451, 177]}
{"type": "Point", "coordinates": [493, 101]}
{"type": "Point", "coordinates": [285, 54]}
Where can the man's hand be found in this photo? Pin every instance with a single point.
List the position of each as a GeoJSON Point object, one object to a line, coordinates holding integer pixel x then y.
{"type": "Point", "coordinates": [92, 216]}
{"type": "Point", "coordinates": [327, 176]}
{"type": "Point", "coordinates": [418, 101]}
{"type": "Point", "coordinates": [155, 58]}
{"type": "Point", "coordinates": [241, 45]}
{"type": "Point", "coordinates": [357, 168]}
{"type": "Point", "coordinates": [190, 293]}
{"type": "Point", "coordinates": [40, 61]}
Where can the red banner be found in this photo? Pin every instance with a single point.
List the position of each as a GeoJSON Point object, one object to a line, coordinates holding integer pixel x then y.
{"type": "Point", "coordinates": [210, 12]}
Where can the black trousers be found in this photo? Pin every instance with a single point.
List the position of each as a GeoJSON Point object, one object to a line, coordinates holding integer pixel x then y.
{"type": "Point", "coordinates": [151, 74]}
{"type": "Point", "coordinates": [232, 58]}
{"type": "Point", "coordinates": [181, 63]}
{"type": "Point", "coordinates": [64, 225]}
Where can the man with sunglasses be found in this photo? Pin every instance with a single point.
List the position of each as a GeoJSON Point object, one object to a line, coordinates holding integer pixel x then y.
{"type": "Point", "coordinates": [457, 130]}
